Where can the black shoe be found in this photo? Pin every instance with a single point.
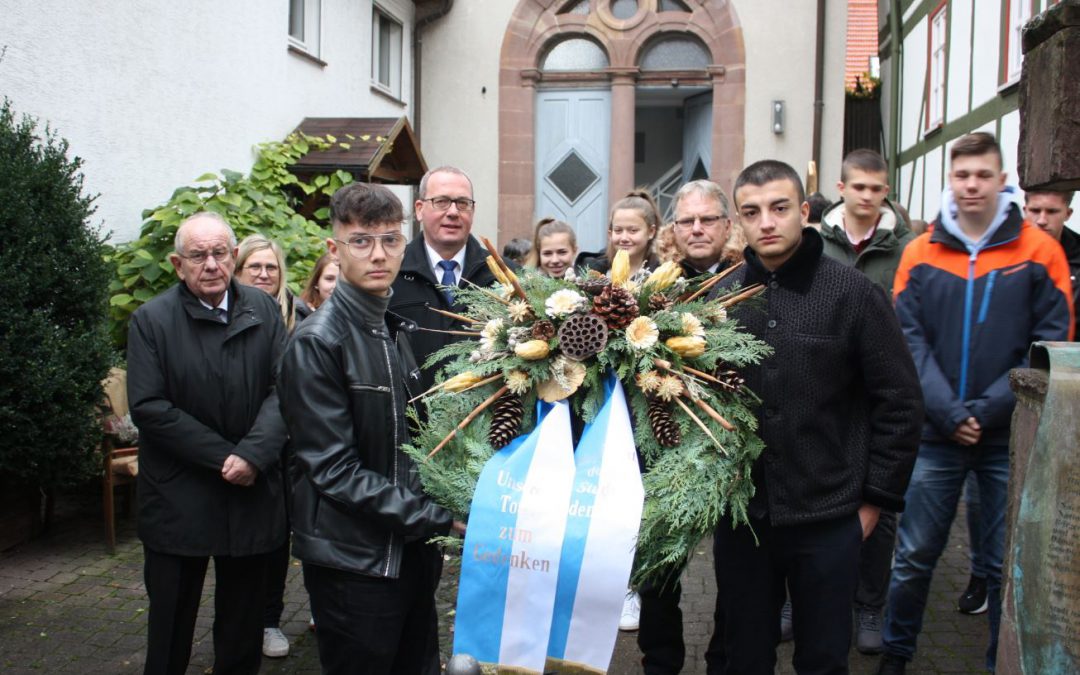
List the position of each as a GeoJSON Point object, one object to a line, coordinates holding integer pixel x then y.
{"type": "Point", "coordinates": [891, 664]}
{"type": "Point", "coordinates": [868, 630]}
{"type": "Point", "coordinates": [973, 601]}
{"type": "Point", "coordinates": [787, 631]}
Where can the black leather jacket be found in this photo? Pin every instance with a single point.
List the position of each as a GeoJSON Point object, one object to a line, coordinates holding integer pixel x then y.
{"type": "Point", "coordinates": [346, 377]}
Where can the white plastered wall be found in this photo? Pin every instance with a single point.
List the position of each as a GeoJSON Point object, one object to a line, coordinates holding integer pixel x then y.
{"type": "Point", "coordinates": [151, 99]}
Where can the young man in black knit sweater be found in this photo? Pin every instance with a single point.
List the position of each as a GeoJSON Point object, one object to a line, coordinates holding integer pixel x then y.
{"type": "Point", "coordinates": [840, 417]}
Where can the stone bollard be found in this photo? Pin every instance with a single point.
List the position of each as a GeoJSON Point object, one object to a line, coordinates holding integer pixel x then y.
{"type": "Point", "coordinates": [1040, 620]}
{"type": "Point", "coordinates": [1050, 100]}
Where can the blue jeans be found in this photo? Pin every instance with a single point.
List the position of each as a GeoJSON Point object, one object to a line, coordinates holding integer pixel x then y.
{"type": "Point", "coordinates": [975, 539]}
{"type": "Point", "coordinates": [932, 496]}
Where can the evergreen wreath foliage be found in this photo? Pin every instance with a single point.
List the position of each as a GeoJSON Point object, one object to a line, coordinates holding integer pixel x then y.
{"type": "Point", "coordinates": [688, 488]}
{"type": "Point", "coordinates": [54, 346]}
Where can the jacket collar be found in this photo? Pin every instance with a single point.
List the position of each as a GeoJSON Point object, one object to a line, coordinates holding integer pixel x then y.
{"type": "Point", "coordinates": [241, 311]}
{"type": "Point", "coordinates": [889, 229]}
{"type": "Point", "coordinates": [689, 271]}
{"type": "Point", "coordinates": [416, 260]}
{"type": "Point", "coordinates": [1005, 229]}
{"type": "Point", "coordinates": [1070, 241]}
{"type": "Point", "coordinates": [799, 269]}
{"type": "Point", "coordinates": [369, 309]}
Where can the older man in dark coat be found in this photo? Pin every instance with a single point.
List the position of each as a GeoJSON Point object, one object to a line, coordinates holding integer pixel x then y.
{"type": "Point", "coordinates": [202, 359]}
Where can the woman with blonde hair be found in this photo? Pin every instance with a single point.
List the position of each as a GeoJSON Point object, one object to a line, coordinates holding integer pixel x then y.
{"type": "Point", "coordinates": [554, 248]}
{"type": "Point", "coordinates": [632, 227]}
{"type": "Point", "coordinates": [260, 262]}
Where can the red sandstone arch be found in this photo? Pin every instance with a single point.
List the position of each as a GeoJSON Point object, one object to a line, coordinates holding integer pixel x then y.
{"type": "Point", "coordinates": [536, 23]}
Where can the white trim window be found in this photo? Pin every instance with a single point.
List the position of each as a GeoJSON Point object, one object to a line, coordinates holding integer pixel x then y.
{"type": "Point", "coordinates": [386, 37]}
{"type": "Point", "coordinates": [1019, 13]}
{"type": "Point", "coordinates": [935, 103]}
{"type": "Point", "coordinates": [305, 25]}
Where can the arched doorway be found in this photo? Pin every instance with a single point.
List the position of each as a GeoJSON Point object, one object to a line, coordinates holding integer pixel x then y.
{"type": "Point", "coordinates": [598, 96]}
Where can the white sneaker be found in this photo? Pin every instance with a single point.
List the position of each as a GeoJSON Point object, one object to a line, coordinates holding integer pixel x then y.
{"type": "Point", "coordinates": [275, 644]}
{"type": "Point", "coordinates": [631, 612]}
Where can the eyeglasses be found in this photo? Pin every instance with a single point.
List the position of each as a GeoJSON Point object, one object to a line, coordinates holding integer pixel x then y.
{"type": "Point", "coordinates": [258, 268]}
{"type": "Point", "coordinates": [463, 204]}
{"type": "Point", "coordinates": [199, 257]}
{"type": "Point", "coordinates": [706, 222]}
{"type": "Point", "coordinates": [361, 247]}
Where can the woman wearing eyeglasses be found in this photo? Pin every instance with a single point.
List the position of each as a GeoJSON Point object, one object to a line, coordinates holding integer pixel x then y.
{"type": "Point", "coordinates": [260, 262]}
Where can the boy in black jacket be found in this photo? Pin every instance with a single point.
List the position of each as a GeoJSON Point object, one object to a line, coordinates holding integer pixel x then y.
{"type": "Point", "coordinates": [840, 417]}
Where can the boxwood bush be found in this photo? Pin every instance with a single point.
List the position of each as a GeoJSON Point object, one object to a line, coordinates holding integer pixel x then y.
{"type": "Point", "coordinates": [54, 344]}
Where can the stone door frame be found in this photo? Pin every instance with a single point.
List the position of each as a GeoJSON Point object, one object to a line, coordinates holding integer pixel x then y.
{"type": "Point", "coordinates": [537, 24]}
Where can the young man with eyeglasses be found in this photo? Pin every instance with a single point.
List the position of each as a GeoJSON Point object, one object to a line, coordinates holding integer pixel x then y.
{"type": "Point", "coordinates": [202, 359]}
{"type": "Point", "coordinates": [360, 518]}
{"type": "Point", "coordinates": [445, 254]}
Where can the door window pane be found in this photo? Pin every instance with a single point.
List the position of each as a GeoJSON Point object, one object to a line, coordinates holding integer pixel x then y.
{"type": "Point", "coordinates": [575, 54]}
{"type": "Point", "coordinates": [623, 9]}
{"type": "Point", "coordinates": [675, 53]}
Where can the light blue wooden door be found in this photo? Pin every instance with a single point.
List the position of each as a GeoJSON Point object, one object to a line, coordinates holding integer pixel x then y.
{"type": "Point", "coordinates": [697, 137]}
{"type": "Point", "coordinates": [573, 136]}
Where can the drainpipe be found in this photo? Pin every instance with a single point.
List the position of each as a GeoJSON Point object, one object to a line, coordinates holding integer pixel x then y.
{"type": "Point", "coordinates": [819, 83]}
{"type": "Point", "coordinates": [895, 47]}
{"type": "Point", "coordinates": [418, 29]}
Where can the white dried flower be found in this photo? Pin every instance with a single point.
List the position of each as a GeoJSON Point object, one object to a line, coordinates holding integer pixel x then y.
{"type": "Point", "coordinates": [517, 382]}
{"type": "Point", "coordinates": [561, 303]}
{"type": "Point", "coordinates": [691, 325]}
{"type": "Point", "coordinates": [642, 333]}
{"type": "Point", "coordinates": [489, 334]}
{"type": "Point", "coordinates": [519, 311]}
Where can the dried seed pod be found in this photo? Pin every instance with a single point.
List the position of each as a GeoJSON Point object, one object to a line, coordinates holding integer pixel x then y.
{"type": "Point", "coordinates": [582, 335]}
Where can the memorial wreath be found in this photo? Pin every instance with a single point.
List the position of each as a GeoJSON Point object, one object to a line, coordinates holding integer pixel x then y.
{"type": "Point", "coordinates": [676, 354]}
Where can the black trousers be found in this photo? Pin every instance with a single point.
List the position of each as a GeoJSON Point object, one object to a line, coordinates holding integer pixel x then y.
{"type": "Point", "coordinates": [174, 584]}
{"type": "Point", "coordinates": [660, 629]}
{"type": "Point", "coordinates": [875, 564]}
{"type": "Point", "coordinates": [277, 571]}
{"type": "Point", "coordinates": [376, 625]}
{"type": "Point", "coordinates": [819, 564]}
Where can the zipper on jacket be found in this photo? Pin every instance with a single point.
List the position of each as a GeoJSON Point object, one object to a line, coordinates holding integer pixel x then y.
{"type": "Point", "coordinates": [371, 387]}
{"type": "Point", "coordinates": [394, 450]}
{"type": "Point", "coordinates": [987, 291]}
{"type": "Point", "coordinates": [969, 298]}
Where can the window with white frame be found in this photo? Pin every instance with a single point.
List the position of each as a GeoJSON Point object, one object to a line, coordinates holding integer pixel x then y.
{"type": "Point", "coordinates": [304, 25]}
{"type": "Point", "coordinates": [935, 100]}
{"type": "Point", "coordinates": [1019, 13]}
{"type": "Point", "coordinates": [386, 52]}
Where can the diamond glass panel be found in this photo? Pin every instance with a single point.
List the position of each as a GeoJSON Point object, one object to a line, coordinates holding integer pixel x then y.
{"type": "Point", "coordinates": [623, 9]}
{"type": "Point", "coordinates": [572, 177]}
{"type": "Point", "coordinates": [575, 54]}
{"type": "Point", "coordinates": [675, 54]}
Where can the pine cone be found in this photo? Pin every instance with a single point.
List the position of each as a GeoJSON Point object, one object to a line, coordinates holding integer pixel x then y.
{"type": "Point", "coordinates": [583, 335]}
{"type": "Point", "coordinates": [543, 330]}
{"type": "Point", "coordinates": [506, 416]}
{"type": "Point", "coordinates": [730, 380]}
{"type": "Point", "coordinates": [593, 285]}
{"type": "Point", "coordinates": [663, 423]}
{"type": "Point", "coordinates": [616, 306]}
{"type": "Point", "coordinates": [659, 302]}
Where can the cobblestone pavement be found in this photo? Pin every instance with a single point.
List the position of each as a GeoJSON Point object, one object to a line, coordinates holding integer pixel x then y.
{"type": "Point", "coordinates": [67, 606]}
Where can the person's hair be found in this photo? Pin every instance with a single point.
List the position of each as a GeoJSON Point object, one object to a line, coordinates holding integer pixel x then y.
{"type": "Point", "coordinates": [517, 249]}
{"type": "Point", "coordinates": [365, 204]}
{"type": "Point", "coordinates": [178, 241]}
{"type": "Point", "coordinates": [641, 201]}
{"type": "Point", "coordinates": [1066, 196]}
{"type": "Point", "coordinates": [818, 203]}
{"type": "Point", "coordinates": [545, 228]}
{"type": "Point", "coordinates": [422, 191]}
{"type": "Point", "coordinates": [862, 160]}
{"type": "Point", "coordinates": [917, 226]}
{"type": "Point", "coordinates": [253, 244]}
{"type": "Point", "coordinates": [766, 171]}
{"type": "Point", "coordinates": [974, 145]}
{"type": "Point", "coordinates": [705, 188]}
{"type": "Point", "coordinates": [311, 294]}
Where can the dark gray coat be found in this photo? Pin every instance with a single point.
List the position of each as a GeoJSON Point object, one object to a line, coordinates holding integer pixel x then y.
{"type": "Point", "coordinates": [841, 404]}
{"type": "Point", "coordinates": [199, 391]}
